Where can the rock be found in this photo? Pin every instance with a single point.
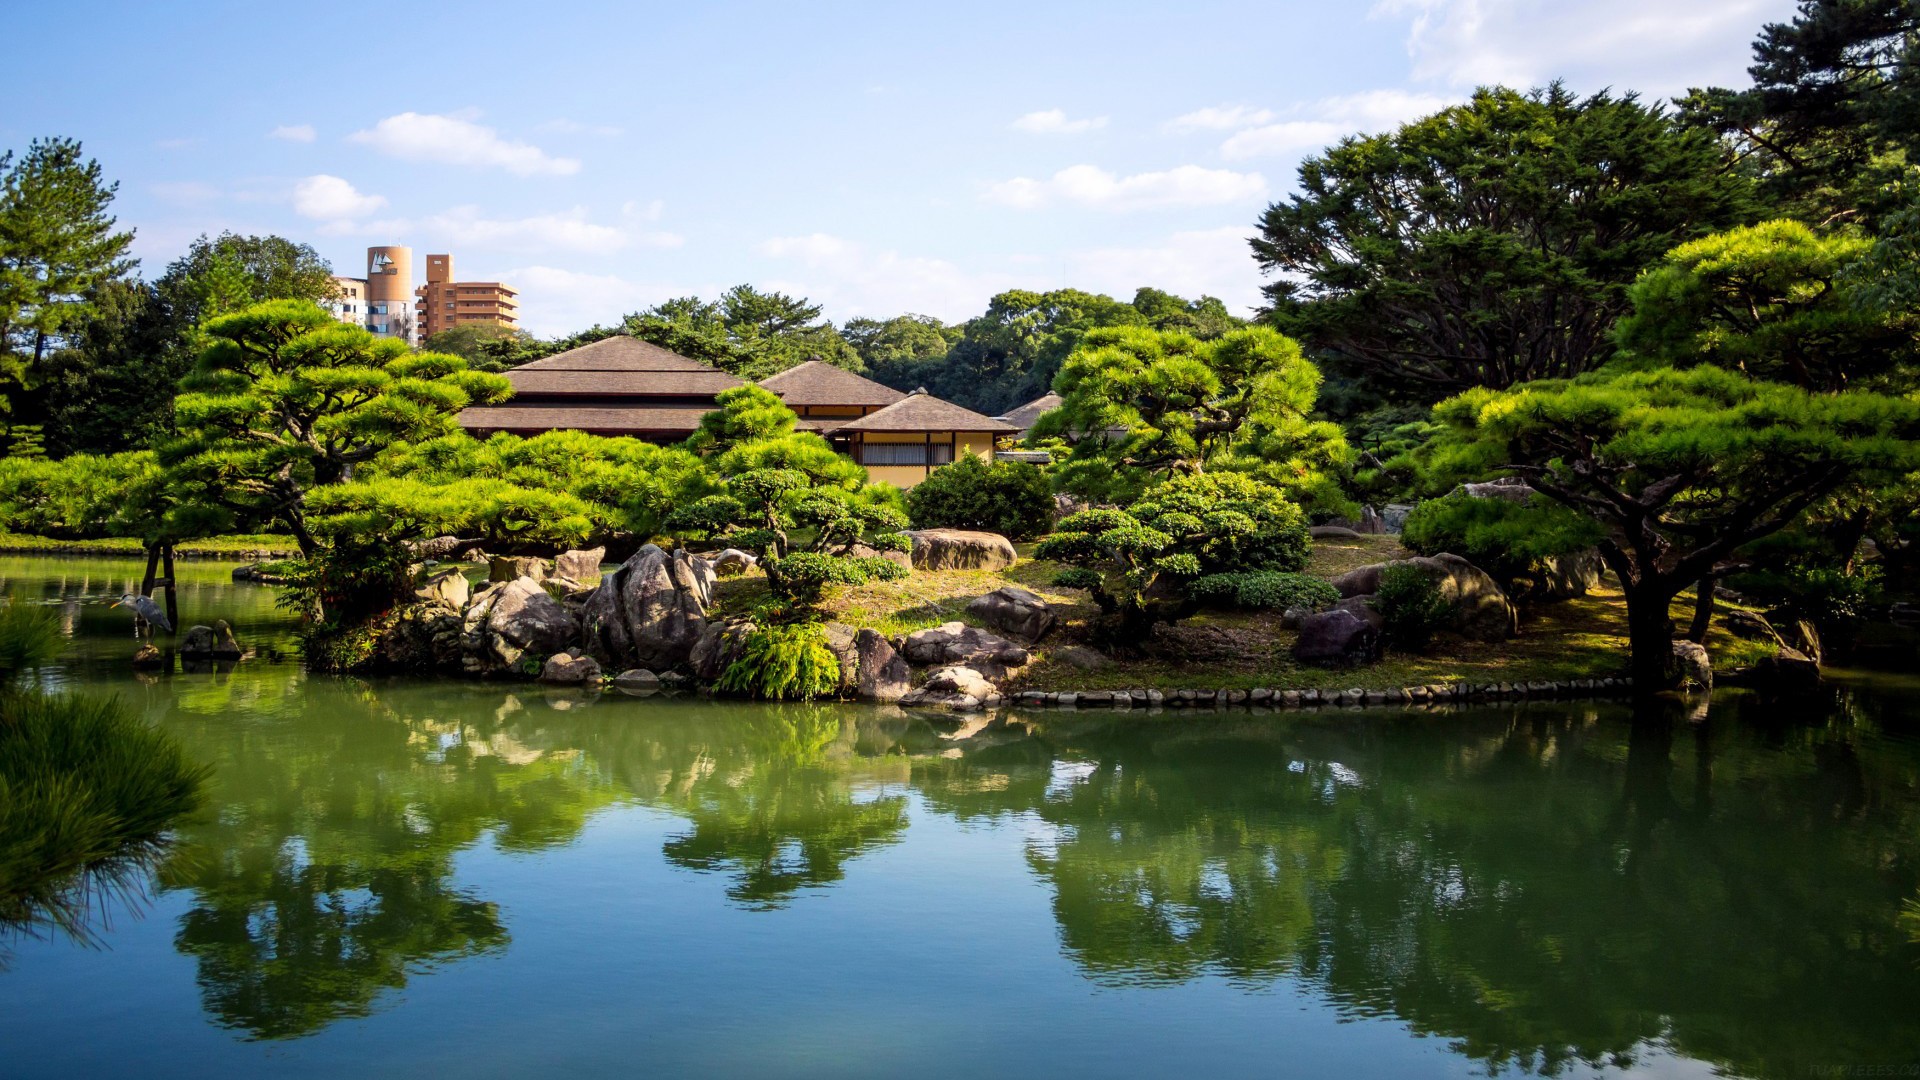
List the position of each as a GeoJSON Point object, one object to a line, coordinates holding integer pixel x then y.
{"type": "Point", "coordinates": [1750, 626]}
{"type": "Point", "coordinates": [892, 555]}
{"type": "Point", "coordinates": [1371, 524]}
{"type": "Point", "coordinates": [958, 643]}
{"type": "Point", "coordinates": [444, 586]}
{"type": "Point", "coordinates": [1394, 517]}
{"type": "Point", "coordinates": [1290, 618]}
{"type": "Point", "coordinates": [636, 681]}
{"type": "Point", "coordinates": [517, 619]}
{"type": "Point", "coordinates": [1332, 532]}
{"type": "Point", "coordinates": [1481, 609]}
{"type": "Point", "coordinates": [1510, 488]}
{"type": "Point", "coordinates": [514, 567]}
{"type": "Point", "coordinates": [1691, 667]}
{"type": "Point", "coordinates": [1015, 611]}
{"type": "Point", "coordinates": [225, 646]}
{"type": "Point", "coordinates": [1336, 639]}
{"type": "Point", "coordinates": [1563, 577]}
{"type": "Point", "coordinates": [1082, 657]}
{"type": "Point", "coordinates": [953, 687]}
{"type": "Point", "coordinates": [1803, 636]}
{"type": "Point", "coordinates": [732, 561]}
{"type": "Point", "coordinates": [870, 669]}
{"type": "Point", "coordinates": [1787, 670]}
{"type": "Point", "coordinates": [960, 549]}
{"type": "Point", "coordinates": [197, 643]}
{"type": "Point", "coordinates": [719, 645]}
{"type": "Point", "coordinates": [148, 656]}
{"type": "Point", "coordinates": [437, 547]}
{"type": "Point", "coordinates": [570, 668]}
{"type": "Point", "coordinates": [581, 565]}
{"type": "Point", "coordinates": [1361, 607]}
{"type": "Point", "coordinates": [650, 611]}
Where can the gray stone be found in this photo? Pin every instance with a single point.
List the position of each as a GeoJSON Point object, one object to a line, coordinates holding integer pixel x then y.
{"type": "Point", "coordinates": [1332, 532]}
{"type": "Point", "coordinates": [1015, 611]}
{"type": "Point", "coordinates": [1481, 609]}
{"type": "Point", "coordinates": [1510, 488]}
{"type": "Point", "coordinates": [581, 565]}
{"type": "Point", "coordinates": [444, 586]}
{"type": "Point", "coordinates": [514, 567]}
{"type": "Point", "coordinates": [651, 611]}
{"type": "Point", "coordinates": [637, 681]}
{"type": "Point", "coordinates": [953, 687]}
{"type": "Point", "coordinates": [1691, 668]}
{"type": "Point", "coordinates": [1750, 625]}
{"type": "Point", "coordinates": [570, 668]}
{"type": "Point", "coordinates": [1336, 639]}
{"type": "Point", "coordinates": [1069, 699]}
{"type": "Point", "coordinates": [197, 642]}
{"type": "Point", "coordinates": [960, 549]}
{"type": "Point", "coordinates": [732, 561]}
{"type": "Point", "coordinates": [522, 620]}
{"type": "Point", "coordinates": [1394, 517]}
{"type": "Point", "coordinates": [1563, 577]}
{"type": "Point", "coordinates": [1082, 657]}
{"type": "Point", "coordinates": [958, 643]}
{"type": "Point", "coordinates": [720, 643]}
{"type": "Point", "coordinates": [1787, 670]}
{"type": "Point", "coordinates": [1155, 697]}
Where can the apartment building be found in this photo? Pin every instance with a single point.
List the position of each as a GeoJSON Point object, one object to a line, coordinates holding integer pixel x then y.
{"type": "Point", "coordinates": [443, 303]}
{"type": "Point", "coordinates": [349, 300]}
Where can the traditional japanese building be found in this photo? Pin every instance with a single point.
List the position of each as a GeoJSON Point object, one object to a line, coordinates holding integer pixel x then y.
{"type": "Point", "coordinates": [615, 386]}
{"type": "Point", "coordinates": [904, 442]}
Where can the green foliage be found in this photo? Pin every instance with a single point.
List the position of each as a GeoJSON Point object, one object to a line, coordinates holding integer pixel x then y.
{"type": "Point", "coordinates": [1138, 563]}
{"type": "Point", "coordinates": [285, 399]}
{"type": "Point", "coordinates": [87, 790]}
{"type": "Point", "coordinates": [1410, 606]}
{"type": "Point", "coordinates": [1772, 301]}
{"type": "Point", "coordinates": [899, 344]}
{"type": "Point", "coordinates": [747, 332]}
{"type": "Point", "coordinates": [784, 663]}
{"type": "Point", "coordinates": [1508, 540]}
{"type": "Point", "coordinates": [1680, 470]}
{"type": "Point", "coordinates": [1011, 498]}
{"type": "Point", "coordinates": [79, 497]}
{"type": "Point", "coordinates": [1490, 243]}
{"type": "Point", "coordinates": [57, 249]}
{"type": "Point", "coordinates": [1140, 405]}
{"type": "Point", "coordinates": [1831, 110]}
{"type": "Point", "coordinates": [745, 413]}
{"type": "Point", "coordinates": [1264, 590]}
{"type": "Point", "coordinates": [802, 577]}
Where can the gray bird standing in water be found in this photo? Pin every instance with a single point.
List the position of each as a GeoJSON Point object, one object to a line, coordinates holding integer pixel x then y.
{"type": "Point", "coordinates": [145, 611]}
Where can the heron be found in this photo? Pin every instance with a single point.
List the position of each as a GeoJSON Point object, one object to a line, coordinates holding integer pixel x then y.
{"type": "Point", "coordinates": [145, 611]}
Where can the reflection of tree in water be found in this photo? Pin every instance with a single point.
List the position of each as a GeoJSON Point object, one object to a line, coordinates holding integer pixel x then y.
{"type": "Point", "coordinates": [1542, 889]}
{"type": "Point", "coordinates": [324, 875]}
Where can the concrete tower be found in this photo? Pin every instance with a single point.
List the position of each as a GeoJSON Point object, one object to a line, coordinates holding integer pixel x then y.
{"type": "Point", "coordinates": [390, 292]}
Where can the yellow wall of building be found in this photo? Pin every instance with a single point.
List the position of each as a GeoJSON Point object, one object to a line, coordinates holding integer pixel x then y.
{"type": "Point", "coordinates": [979, 444]}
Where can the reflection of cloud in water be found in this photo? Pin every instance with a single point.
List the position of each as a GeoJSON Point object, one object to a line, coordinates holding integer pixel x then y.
{"type": "Point", "coordinates": [1067, 775]}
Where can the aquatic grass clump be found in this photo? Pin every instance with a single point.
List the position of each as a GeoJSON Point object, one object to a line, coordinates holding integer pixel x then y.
{"type": "Point", "coordinates": [784, 663]}
{"type": "Point", "coordinates": [87, 792]}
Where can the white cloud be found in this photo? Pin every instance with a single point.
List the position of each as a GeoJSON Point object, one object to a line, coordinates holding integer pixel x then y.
{"type": "Point", "coordinates": [554, 301]}
{"type": "Point", "coordinates": [1209, 262]}
{"type": "Point", "coordinates": [294, 133]}
{"type": "Point", "coordinates": [849, 280]}
{"type": "Point", "coordinates": [1321, 123]}
{"type": "Point", "coordinates": [1218, 118]}
{"type": "Point", "coordinates": [1656, 46]}
{"type": "Point", "coordinates": [331, 199]}
{"type": "Point", "coordinates": [1055, 122]}
{"type": "Point", "coordinates": [456, 140]}
{"type": "Point", "coordinates": [568, 231]}
{"type": "Point", "coordinates": [1089, 185]}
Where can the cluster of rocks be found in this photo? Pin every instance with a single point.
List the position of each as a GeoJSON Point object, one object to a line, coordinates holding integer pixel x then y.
{"type": "Point", "coordinates": [1350, 633]}
{"type": "Point", "coordinates": [1303, 699]}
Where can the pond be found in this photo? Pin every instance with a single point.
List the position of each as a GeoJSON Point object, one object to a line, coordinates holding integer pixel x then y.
{"type": "Point", "coordinates": [406, 877]}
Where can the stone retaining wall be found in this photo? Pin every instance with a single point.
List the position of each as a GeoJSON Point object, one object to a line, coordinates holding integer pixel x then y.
{"type": "Point", "coordinates": [1263, 698]}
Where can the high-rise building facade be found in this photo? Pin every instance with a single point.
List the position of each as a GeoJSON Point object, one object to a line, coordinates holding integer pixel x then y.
{"type": "Point", "coordinates": [445, 303]}
{"type": "Point", "coordinates": [390, 292]}
{"type": "Point", "coordinates": [349, 300]}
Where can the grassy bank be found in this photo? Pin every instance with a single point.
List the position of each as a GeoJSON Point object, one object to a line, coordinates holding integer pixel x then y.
{"type": "Point", "coordinates": [254, 546]}
{"type": "Point", "coordinates": [1226, 650]}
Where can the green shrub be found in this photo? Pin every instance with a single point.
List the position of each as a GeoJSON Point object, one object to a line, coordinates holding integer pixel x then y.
{"type": "Point", "coordinates": [1011, 498]}
{"type": "Point", "coordinates": [1409, 602]}
{"type": "Point", "coordinates": [1506, 539]}
{"type": "Point", "coordinates": [1264, 590]}
{"type": "Point", "coordinates": [802, 576]}
{"type": "Point", "coordinates": [784, 663]}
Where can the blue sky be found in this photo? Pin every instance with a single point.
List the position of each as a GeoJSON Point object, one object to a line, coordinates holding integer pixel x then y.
{"type": "Point", "coordinates": [879, 158]}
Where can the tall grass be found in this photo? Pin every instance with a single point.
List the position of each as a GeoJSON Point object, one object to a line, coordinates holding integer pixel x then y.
{"type": "Point", "coordinates": [87, 792]}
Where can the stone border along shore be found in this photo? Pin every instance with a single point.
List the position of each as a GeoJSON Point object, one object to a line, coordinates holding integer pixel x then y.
{"type": "Point", "coordinates": [1308, 699]}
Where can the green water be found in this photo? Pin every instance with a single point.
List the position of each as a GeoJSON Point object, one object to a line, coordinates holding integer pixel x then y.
{"type": "Point", "coordinates": [425, 878]}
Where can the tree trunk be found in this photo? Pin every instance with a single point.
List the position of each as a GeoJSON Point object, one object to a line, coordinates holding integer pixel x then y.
{"type": "Point", "coordinates": [1702, 612]}
{"type": "Point", "coordinates": [1650, 637]}
{"type": "Point", "coordinates": [297, 525]}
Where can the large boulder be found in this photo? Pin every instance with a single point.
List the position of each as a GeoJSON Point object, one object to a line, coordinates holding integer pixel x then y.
{"type": "Point", "coordinates": [870, 669]}
{"type": "Point", "coordinates": [1332, 532]}
{"type": "Point", "coordinates": [197, 643]}
{"type": "Point", "coordinates": [1750, 626]}
{"type": "Point", "coordinates": [1510, 488]}
{"type": "Point", "coordinates": [1481, 609]}
{"type": "Point", "coordinates": [580, 565]}
{"type": "Point", "coordinates": [508, 622]}
{"type": "Point", "coordinates": [953, 687]}
{"type": "Point", "coordinates": [650, 611]}
{"type": "Point", "coordinates": [1015, 611]}
{"type": "Point", "coordinates": [443, 586]}
{"type": "Point", "coordinates": [732, 561]}
{"type": "Point", "coordinates": [718, 646]}
{"type": "Point", "coordinates": [1691, 668]}
{"type": "Point", "coordinates": [637, 681]}
{"type": "Point", "coordinates": [1787, 671]}
{"type": "Point", "coordinates": [1337, 638]}
{"type": "Point", "coordinates": [1564, 577]}
{"type": "Point", "coordinates": [957, 643]}
{"type": "Point", "coordinates": [960, 549]}
{"type": "Point", "coordinates": [570, 668]}
{"type": "Point", "coordinates": [515, 567]}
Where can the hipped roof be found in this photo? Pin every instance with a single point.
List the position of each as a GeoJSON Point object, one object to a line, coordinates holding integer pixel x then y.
{"type": "Point", "coordinates": [1024, 416]}
{"type": "Point", "coordinates": [817, 382]}
{"type": "Point", "coordinates": [620, 353]}
{"type": "Point", "coordinates": [921, 411]}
